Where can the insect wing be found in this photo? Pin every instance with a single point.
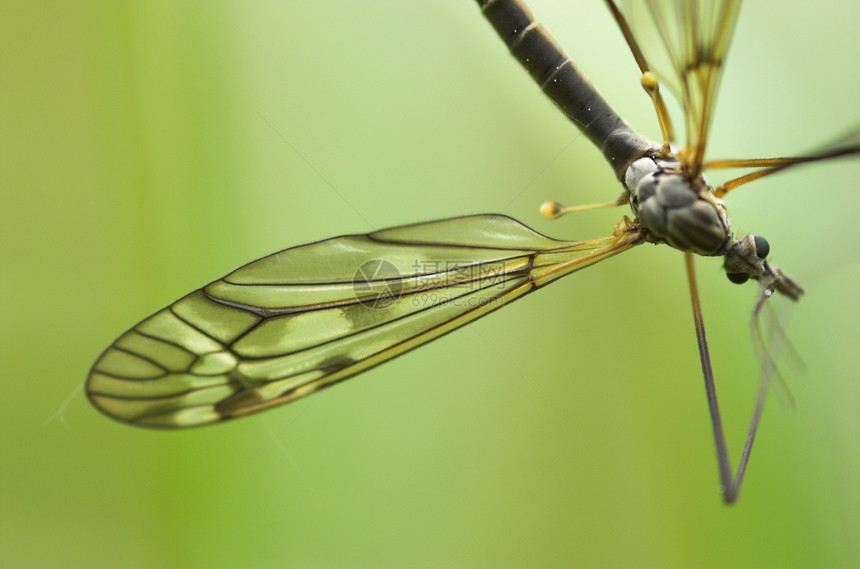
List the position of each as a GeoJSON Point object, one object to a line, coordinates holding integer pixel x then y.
{"type": "Point", "coordinates": [686, 43]}
{"type": "Point", "coordinates": [301, 319]}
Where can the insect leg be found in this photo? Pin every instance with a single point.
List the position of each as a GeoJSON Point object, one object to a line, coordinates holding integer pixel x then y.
{"type": "Point", "coordinates": [729, 485]}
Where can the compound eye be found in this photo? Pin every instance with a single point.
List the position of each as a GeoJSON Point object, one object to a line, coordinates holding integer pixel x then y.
{"type": "Point", "coordinates": [738, 278]}
{"type": "Point", "coordinates": [762, 247]}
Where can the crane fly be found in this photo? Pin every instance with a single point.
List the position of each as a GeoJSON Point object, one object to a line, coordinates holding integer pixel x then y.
{"type": "Point", "coordinates": [302, 319]}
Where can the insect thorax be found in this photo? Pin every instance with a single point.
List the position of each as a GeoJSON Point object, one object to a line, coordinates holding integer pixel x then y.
{"type": "Point", "coordinates": [678, 209]}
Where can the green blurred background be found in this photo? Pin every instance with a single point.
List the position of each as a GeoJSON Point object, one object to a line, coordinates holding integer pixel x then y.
{"type": "Point", "coordinates": [150, 147]}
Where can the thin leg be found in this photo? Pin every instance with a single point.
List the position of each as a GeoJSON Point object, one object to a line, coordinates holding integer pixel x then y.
{"type": "Point", "coordinates": [772, 166]}
{"type": "Point", "coordinates": [730, 486]}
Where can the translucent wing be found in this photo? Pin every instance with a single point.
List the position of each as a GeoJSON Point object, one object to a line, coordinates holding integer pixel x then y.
{"type": "Point", "coordinates": [299, 320]}
{"type": "Point", "coordinates": [685, 43]}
